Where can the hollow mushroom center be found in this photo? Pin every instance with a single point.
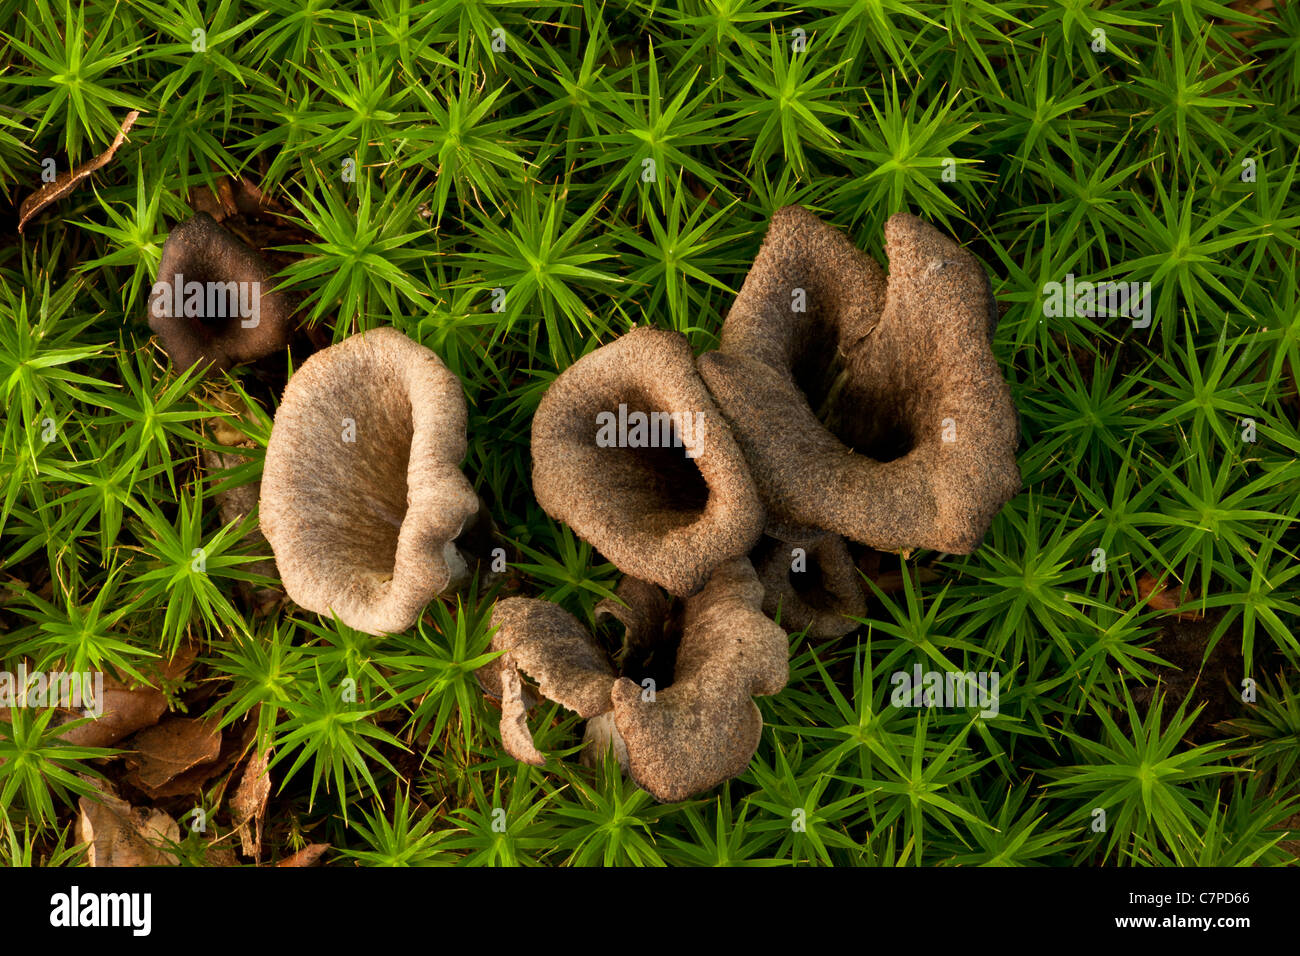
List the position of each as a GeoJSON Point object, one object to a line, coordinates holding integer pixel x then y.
{"type": "Point", "coordinates": [872, 417]}
{"type": "Point", "coordinates": [650, 458]}
{"type": "Point", "coordinates": [810, 585]}
{"type": "Point", "coordinates": [361, 456]}
{"type": "Point", "coordinates": [217, 297]}
{"type": "Point", "coordinates": [654, 659]}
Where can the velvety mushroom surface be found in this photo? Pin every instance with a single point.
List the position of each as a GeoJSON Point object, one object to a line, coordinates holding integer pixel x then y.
{"type": "Point", "coordinates": [667, 502]}
{"type": "Point", "coordinates": [880, 417]}
{"type": "Point", "coordinates": [553, 648]}
{"type": "Point", "coordinates": [686, 734]}
{"type": "Point", "coordinates": [704, 727]}
{"type": "Point", "coordinates": [212, 303]}
{"type": "Point", "coordinates": [362, 493]}
{"type": "Point", "coordinates": [813, 585]}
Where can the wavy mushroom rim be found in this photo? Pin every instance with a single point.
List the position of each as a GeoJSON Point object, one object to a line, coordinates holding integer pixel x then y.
{"type": "Point", "coordinates": [628, 501]}
{"type": "Point", "coordinates": [373, 560]}
{"type": "Point", "coordinates": [704, 728]}
{"type": "Point", "coordinates": [931, 488]}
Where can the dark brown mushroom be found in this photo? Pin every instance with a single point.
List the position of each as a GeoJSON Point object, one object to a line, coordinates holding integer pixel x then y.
{"type": "Point", "coordinates": [878, 412]}
{"type": "Point", "coordinates": [811, 586]}
{"type": "Point", "coordinates": [630, 451]}
{"type": "Point", "coordinates": [362, 494]}
{"type": "Point", "coordinates": [212, 303]}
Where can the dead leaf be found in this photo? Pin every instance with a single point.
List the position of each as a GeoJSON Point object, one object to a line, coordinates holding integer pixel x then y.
{"type": "Point", "coordinates": [68, 181]}
{"type": "Point", "coordinates": [248, 805]}
{"type": "Point", "coordinates": [126, 710]}
{"type": "Point", "coordinates": [173, 747]}
{"type": "Point", "coordinates": [119, 834]}
{"type": "Point", "coordinates": [1159, 598]}
{"type": "Point", "coordinates": [242, 197]}
{"type": "Point", "coordinates": [308, 856]}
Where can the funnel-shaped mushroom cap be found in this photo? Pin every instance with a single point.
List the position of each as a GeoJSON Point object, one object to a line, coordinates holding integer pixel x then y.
{"type": "Point", "coordinates": [813, 585]}
{"type": "Point", "coordinates": [362, 493]}
{"type": "Point", "coordinates": [631, 452]}
{"type": "Point", "coordinates": [809, 295]}
{"type": "Point", "coordinates": [553, 648]}
{"type": "Point", "coordinates": [898, 433]}
{"type": "Point", "coordinates": [213, 302]}
{"type": "Point", "coordinates": [704, 728]}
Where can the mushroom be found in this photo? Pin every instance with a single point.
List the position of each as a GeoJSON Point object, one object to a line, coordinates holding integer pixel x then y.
{"type": "Point", "coordinates": [212, 303]}
{"type": "Point", "coordinates": [704, 727]}
{"type": "Point", "coordinates": [700, 729]}
{"type": "Point", "coordinates": [362, 494]}
{"type": "Point", "coordinates": [868, 407]}
{"type": "Point", "coordinates": [813, 584]}
{"type": "Point", "coordinates": [630, 451]}
{"type": "Point", "coordinates": [552, 647]}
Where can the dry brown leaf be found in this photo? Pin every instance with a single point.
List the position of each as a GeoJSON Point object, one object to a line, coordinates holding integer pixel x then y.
{"type": "Point", "coordinates": [1159, 598]}
{"type": "Point", "coordinates": [308, 856]}
{"type": "Point", "coordinates": [242, 197]}
{"type": "Point", "coordinates": [173, 747]}
{"type": "Point", "coordinates": [68, 181]}
{"type": "Point", "coordinates": [126, 710]}
{"type": "Point", "coordinates": [119, 834]}
{"type": "Point", "coordinates": [220, 856]}
{"type": "Point", "coordinates": [248, 806]}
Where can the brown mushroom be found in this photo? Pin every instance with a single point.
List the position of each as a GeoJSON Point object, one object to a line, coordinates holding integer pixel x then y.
{"type": "Point", "coordinates": [700, 729]}
{"type": "Point", "coordinates": [553, 648]}
{"type": "Point", "coordinates": [811, 586]}
{"type": "Point", "coordinates": [362, 494]}
{"type": "Point", "coordinates": [630, 451]}
{"type": "Point", "coordinates": [704, 727]}
{"type": "Point", "coordinates": [877, 412]}
{"type": "Point", "coordinates": [212, 303]}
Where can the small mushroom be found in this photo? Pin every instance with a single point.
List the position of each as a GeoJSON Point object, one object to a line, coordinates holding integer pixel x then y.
{"type": "Point", "coordinates": [631, 452]}
{"type": "Point", "coordinates": [700, 729]}
{"type": "Point", "coordinates": [643, 610]}
{"type": "Point", "coordinates": [553, 648]}
{"type": "Point", "coordinates": [813, 585]}
{"type": "Point", "coordinates": [362, 494]}
{"type": "Point", "coordinates": [868, 407]}
{"type": "Point", "coordinates": [212, 303]}
{"type": "Point", "coordinates": [704, 727]}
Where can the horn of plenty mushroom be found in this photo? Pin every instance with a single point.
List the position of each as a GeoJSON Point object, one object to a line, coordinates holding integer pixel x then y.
{"type": "Point", "coordinates": [212, 303]}
{"type": "Point", "coordinates": [630, 451]}
{"type": "Point", "coordinates": [867, 406]}
{"type": "Point", "coordinates": [698, 730]}
{"type": "Point", "coordinates": [812, 585]}
{"type": "Point", "coordinates": [362, 493]}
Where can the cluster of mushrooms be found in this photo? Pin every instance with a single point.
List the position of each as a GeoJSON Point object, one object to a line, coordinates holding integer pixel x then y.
{"type": "Point", "coordinates": [842, 405]}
